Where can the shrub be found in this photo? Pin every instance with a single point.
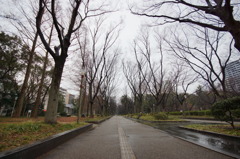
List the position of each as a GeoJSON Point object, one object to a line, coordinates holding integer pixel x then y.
{"type": "Point", "coordinates": [208, 112]}
{"type": "Point", "coordinates": [175, 113]}
{"type": "Point", "coordinates": [236, 113]}
{"type": "Point", "coordinates": [160, 116]}
{"type": "Point", "coordinates": [227, 110]}
{"type": "Point", "coordinates": [194, 113]}
{"type": "Point", "coordinates": [63, 114]}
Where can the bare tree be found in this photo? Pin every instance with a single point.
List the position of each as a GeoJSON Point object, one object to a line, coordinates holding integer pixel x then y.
{"type": "Point", "coordinates": [135, 80]}
{"type": "Point", "coordinates": [80, 75]}
{"type": "Point", "coordinates": [182, 78]}
{"type": "Point", "coordinates": [38, 102]}
{"type": "Point", "coordinates": [154, 73]}
{"type": "Point", "coordinates": [204, 59]}
{"type": "Point", "coordinates": [99, 64]}
{"type": "Point", "coordinates": [98, 58]}
{"type": "Point", "coordinates": [219, 15]}
{"type": "Point", "coordinates": [109, 84]}
{"type": "Point", "coordinates": [79, 12]}
{"type": "Point", "coordinates": [29, 34]}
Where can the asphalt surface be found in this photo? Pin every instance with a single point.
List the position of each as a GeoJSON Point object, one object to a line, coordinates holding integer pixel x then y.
{"type": "Point", "coordinates": [120, 138]}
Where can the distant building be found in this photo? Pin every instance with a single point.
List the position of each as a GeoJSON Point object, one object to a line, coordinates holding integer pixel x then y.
{"type": "Point", "coordinates": [233, 76]}
{"type": "Point", "coordinates": [68, 101]}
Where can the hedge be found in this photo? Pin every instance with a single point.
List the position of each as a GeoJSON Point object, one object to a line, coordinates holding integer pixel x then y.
{"type": "Point", "coordinates": [193, 113]}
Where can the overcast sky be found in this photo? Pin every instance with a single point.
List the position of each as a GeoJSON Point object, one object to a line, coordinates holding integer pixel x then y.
{"type": "Point", "coordinates": [130, 30]}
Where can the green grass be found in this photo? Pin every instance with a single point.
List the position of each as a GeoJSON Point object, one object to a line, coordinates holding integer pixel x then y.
{"type": "Point", "coordinates": [222, 129]}
{"type": "Point", "coordinates": [17, 134]}
{"type": "Point", "coordinates": [96, 118]}
{"type": "Point", "coordinates": [149, 117]}
{"type": "Point", "coordinates": [194, 116]}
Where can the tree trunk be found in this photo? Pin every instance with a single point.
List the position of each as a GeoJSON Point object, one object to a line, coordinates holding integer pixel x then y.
{"type": "Point", "coordinates": [38, 99]}
{"type": "Point", "coordinates": [20, 100]}
{"type": "Point", "coordinates": [91, 110]}
{"type": "Point", "coordinates": [84, 97]}
{"type": "Point", "coordinates": [90, 100]}
{"type": "Point", "coordinates": [135, 104]}
{"type": "Point", "coordinates": [88, 109]}
{"type": "Point", "coordinates": [51, 113]}
{"type": "Point", "coordinates": [81, 96]}
{"type": "Point", "coordinates": [39, 93]}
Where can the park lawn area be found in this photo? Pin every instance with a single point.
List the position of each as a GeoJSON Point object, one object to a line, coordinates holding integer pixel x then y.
{"type": "Point", "coordinates": [221, 129]}
{"type": "Point", "coordinates": [193, 116]}
{"type": "Point", "coordinates": [15, 132]}
{"type": "Point", "coordinates": [149, 117]}
{"type": "Point", "coordinates": [59, 119]}
{"type": "Point", "coordinates": [198, 117]}
{"type": "Point", "coordinates": [96, 118]}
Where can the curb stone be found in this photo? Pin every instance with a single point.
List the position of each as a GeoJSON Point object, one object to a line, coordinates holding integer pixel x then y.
{"type": "Point", "coordinates": [40, 147]}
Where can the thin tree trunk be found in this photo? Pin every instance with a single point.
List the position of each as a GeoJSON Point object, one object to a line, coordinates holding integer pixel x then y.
{"type": "Point", "coordinates": [81, 96]}
{"type": "Point", "coordinates": [39, 93]}
{"type": "Point", "coordinates": [88, 110]}
{"type": "Point", "coordinates": [91, 110]}
{"type": "Point", "coordinates": [90, 100]}
{"type": "Point", "coordinates": [20, 100]}
{"type": "Point", "coordinates": [84, 97]}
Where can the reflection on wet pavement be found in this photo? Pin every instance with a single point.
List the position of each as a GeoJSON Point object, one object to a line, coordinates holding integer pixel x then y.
{"type": "Point", "coordinates": [224, 145]}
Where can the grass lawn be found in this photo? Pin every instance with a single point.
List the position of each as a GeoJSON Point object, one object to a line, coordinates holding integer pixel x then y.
{"type": "Point", "coordinates": [97, 118]}
{"type": "Point", "coordinates": [15, 132]}
{"type": "Point", "coordinates": [222, 129]}
{"type": "Point", "coordinates": [149, 117]}
{"type": "Point", "coordinates": [195, 116]}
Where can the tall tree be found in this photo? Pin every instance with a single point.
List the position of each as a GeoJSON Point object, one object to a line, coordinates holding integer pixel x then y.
{"type": "Point", "coordinates": [100, 61]}
{"type": "Point", "coordinates": [25, 25]}
{"type": "Point", "coordinates": [126, 105]}
{"type": "Point", "coordinates": [12, 59]}
{"type": "Point", "coordinates": [109, 84]}
{"type": "Point", "coordinates": [154, 72]}
{"type": "Point", "coordinates": [205, 58]}
{"type": "Point", "coordinates": [79, 12]}
{"type": "Point", "coordinates": [182, 79]}
{"type": "Point", "coordinates": [136, 82]}
{"type": "Point", "coordinates": [20, 100]}
{"type": "Point", "coordinates": [219, 15]}
{"type": "Point", "coordinates": [37, 102]}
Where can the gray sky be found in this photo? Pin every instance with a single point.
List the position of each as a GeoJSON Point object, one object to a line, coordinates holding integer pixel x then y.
{"type": "Point", "coordinates": [130, 26]}
{"type": "Point", "coordinates": [130, 30]}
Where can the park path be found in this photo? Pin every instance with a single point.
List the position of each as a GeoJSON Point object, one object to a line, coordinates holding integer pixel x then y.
{"type": "Point", "coordinates": [120, 138]}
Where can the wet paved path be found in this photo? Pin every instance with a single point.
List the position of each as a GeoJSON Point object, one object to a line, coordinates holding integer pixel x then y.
{"type": "Point", "coordinates": [120, 138]}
